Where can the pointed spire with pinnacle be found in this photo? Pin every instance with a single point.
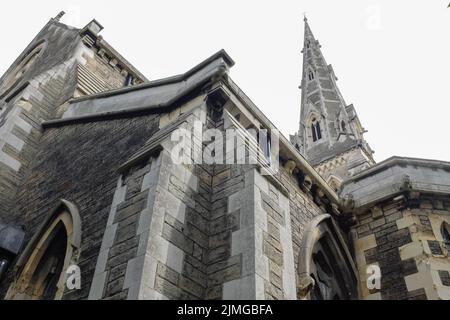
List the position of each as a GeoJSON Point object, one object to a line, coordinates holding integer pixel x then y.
{"type": "Point", "coordinates": [329, 129]}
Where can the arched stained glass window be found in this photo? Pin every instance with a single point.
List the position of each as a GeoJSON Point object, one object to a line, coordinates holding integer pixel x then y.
{"type": "Point", "coordinates": [42, 265]}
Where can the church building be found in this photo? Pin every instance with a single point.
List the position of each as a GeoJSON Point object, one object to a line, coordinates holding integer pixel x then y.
{"type": "Point", "coordinates": [100, 200]}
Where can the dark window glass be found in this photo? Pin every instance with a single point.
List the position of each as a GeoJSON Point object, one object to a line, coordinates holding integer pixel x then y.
{"type": "Point", "coordinates": [319, 132]}
{"type": "Point", "coordinates": [313, 129]}
{"type": "Point", "coordinates": [446, 235]}
{"type": "Point", "coordinates": [129, 80]}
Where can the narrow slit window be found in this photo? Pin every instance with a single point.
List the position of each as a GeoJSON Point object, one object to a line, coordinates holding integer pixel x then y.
{"type": "Point", "coordinates": [319, 132]}
{"type": "Point", "coordinates": [446, 235]}
{"type": "Point", "coordinates": [129, 80]}
{"type": "Point", "coordinates": [316, 131]}
{"type": "Point", "coordinates": [311, 75]}
{"type": "Point", "coordinates": [313, 129]}
{"type": "Point", "coordinates": [264, 141]}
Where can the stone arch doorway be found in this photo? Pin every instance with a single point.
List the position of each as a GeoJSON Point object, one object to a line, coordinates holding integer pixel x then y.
{"type": "Point", "coordinates": [326, 270]}
{"type": "Point", "coordinates": [41, 269]}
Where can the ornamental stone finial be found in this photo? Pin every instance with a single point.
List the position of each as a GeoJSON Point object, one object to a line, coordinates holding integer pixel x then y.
{"type": "Point", "coordinates": [59, 16]}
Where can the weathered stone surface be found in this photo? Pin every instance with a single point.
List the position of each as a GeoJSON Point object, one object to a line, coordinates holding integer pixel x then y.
{"type": "Point", "coordinates": [167, 288]}
{"type": "Point", "coordinates": [88, 153]}
{"type": "Point", "coordinates": [168, 274]}
{"type": "Point", "coordinates": [273, 253]}
{"type": "Point", "coordinates": [200, 231]}
{"type": "Point", "coordinates": [418, 294]}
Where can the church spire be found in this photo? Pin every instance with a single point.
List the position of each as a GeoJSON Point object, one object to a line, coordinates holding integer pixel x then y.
{"type": "Point", "coordinates": [308, 32]}
{"type": "Point", "coordinates": [329, 129]}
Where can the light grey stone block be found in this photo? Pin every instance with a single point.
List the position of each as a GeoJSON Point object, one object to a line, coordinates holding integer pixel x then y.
{"type": "Point", "coordinates": [134, 272]}
{"type": "Point", "coordinates": [97, 286]}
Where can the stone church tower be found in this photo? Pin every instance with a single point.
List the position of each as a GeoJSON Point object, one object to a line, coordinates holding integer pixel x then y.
{"type": "Point", "coordinates": [330, 134]}
{"type": "Point", "coordinates": [59, 64]}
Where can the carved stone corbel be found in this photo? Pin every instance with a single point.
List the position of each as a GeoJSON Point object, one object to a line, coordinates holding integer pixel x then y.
{"type": "Point", "coordinates": [307, 183]}
{"type": "Point", "coordinates": [335, 209]}
{"type": "Point", "coordinates": [304, 285]}
{"type": "Point", "coordinates": [290, 166]}
{"type": "Point", "coordinates": [348, 203]}
{"type": "Point", "coordinates": [406, 183]}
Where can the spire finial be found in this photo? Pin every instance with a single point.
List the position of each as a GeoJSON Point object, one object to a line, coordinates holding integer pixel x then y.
{"type": "Point", "coordinates": [304, 17]}
{"type": "Point", "coordinates": [59, 16]}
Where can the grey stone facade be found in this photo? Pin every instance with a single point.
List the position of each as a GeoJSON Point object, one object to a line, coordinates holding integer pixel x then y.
{"type": "Point", "coordinates": [81, 168]}
{"type": "Point", "coordinates": [401, 206]}
{"type": "Point", "coordinates": [41, 93]}
{"type": "Point", "coordinates": [84, 132]}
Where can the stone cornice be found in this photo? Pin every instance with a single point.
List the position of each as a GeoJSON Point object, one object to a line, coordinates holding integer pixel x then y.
{"type": "Point", "coordinates": [393, 177]}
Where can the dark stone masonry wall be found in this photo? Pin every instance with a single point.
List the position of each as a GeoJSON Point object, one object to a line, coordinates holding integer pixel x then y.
{"type": "Point", "coordinates": [32, 111]}
{"type": "Point", "coordinates": [206, 235]}
{"type": "Point", "coordinates": [161, 230]}
{"type": "Point", "coordinates": [403, 237]}
{"type": "Point", "coordinates": [302, 209]}
{"type": "Point", "coordinates": [41, 95]}
{"type": "Point", "coordinates": [170, 232]}
{"type": "Point", "coordinates": [125, 243]}
{"type": "Point", "coordinates": [382, 224]}
{"type": "Point", "coordinates": [35, 103]}
{"type": "Point", "coordinates": [79, 163]}
{"type": "Point", "coordinates": [221, 265]}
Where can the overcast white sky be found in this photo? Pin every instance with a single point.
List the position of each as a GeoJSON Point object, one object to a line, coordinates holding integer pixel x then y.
{"type": "Point", "coordinates": [392, 58]}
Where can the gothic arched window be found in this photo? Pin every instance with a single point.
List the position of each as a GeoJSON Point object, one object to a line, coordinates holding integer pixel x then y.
{"type": "Point", "coordinates": [326, 268]}
{"type": "Point", "coordinates": [310, 75]}
{"type": "Point", "coordinates": [43, 264]}
{"type": "Point", "coordinates": [308, 43]}
{"type": "Point", "coordinates": [315, 129]}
